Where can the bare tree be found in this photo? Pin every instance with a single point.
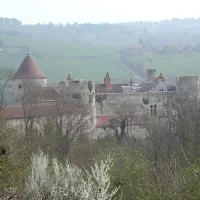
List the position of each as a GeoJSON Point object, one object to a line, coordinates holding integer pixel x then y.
{"type": "Point", "coordinates": [175, 135]}
{"type": "Point", "coordinates": [28, 98]}
{"type": "Point", "coordinates": [6, 98]}
{"type": "Point", "coordinates": [69, 121]}
{"type": "Point", "coordinates": [183, 117]}
{"type": "Point", "coordinates": [160, 141]}
{"type": "Point", "coordinates": [6, 94]}
{"type": "Point", "coordinates": [123, 121]}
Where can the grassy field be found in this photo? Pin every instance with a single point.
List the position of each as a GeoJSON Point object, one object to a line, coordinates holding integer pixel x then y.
{"type": "Point", "coordinates": [177, 65]}
{"type": "Point", "coordinates": [55, 48]}
{"type": "Point", "coordinates": [57, 69]}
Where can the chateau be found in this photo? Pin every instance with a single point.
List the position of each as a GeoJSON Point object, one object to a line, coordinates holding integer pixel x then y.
{"type": "Point", "coordinates": [150, 99]}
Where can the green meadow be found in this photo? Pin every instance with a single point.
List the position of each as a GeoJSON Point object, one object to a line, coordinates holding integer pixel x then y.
{"type": "Point", "coordinates": [57, 68]}
{"type": "Point", "coordinates": [177, 65]}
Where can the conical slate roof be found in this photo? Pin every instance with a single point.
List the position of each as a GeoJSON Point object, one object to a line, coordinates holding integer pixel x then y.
{"type": "Point", "coordinates": [29, 70]}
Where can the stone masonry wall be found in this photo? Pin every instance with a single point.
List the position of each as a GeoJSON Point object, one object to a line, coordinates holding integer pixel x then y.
{"type": "Point", "coordinates": [136, 99]}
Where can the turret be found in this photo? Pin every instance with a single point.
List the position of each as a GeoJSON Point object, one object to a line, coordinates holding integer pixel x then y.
{"type": "Point", "coordinates": [69, 78]}
{"type": "Point", "coordinates": [30, 71]}
{"type": "Point", "coordinates": [107, 80]}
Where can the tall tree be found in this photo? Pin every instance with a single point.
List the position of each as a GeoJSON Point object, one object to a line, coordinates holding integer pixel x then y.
{"type": "Point", "coordinates": [123, 121]}
{"type": "Point", "coordinates": [69, 121]}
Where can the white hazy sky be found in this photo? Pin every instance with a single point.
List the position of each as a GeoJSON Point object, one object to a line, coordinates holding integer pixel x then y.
{"type": "Point", "coordinates": [95, 11]}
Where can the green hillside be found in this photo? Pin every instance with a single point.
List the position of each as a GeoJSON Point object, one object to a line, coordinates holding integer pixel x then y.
{"type": "Point", "coordinates": [177, 65]}
{"type": "Point", "coordinates": [57, 68]}
{"type": "Point", "coordinates": [172, 64]}
{"type": "Point", "coordinates": [54, 59]}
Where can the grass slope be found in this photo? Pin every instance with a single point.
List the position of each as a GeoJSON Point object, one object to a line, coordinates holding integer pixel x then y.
{"type": "Point", "coordinates": [94, 69]}
{"type": "Point", "coordinates": [177, 65]}
{"type": "Point", "coordinates": [57, 69]}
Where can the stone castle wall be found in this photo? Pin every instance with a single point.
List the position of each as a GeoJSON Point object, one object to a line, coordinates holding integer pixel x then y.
{"type": "Point", "coordinates": [40, 82]}
{"type": "Point", "coordinates": [86, 89]}
{"type": "Point", "coordinates": [187, 86]}
{"type": "Point", "coordinates": [18, 84]}
{"type": "Point", "coordinates": [107, 107]}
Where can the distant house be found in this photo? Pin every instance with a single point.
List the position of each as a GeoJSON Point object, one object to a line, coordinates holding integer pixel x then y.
{"type": "Point", "coordinates": [137, 48]}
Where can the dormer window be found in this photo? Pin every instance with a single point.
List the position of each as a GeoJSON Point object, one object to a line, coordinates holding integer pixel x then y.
{"type": "Point", "coordinates": [19, 86]}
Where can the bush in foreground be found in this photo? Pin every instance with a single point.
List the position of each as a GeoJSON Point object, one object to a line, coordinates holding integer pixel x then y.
{"type": "Point", "coordinates": [55, 181]}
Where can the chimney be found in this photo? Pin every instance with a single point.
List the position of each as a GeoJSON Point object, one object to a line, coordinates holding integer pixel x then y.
{"type": "Point", "coordinates": [131, 82]}
{"type": "Point", "coordinates": [107, 80]}
{"type": "Point", "coordinates": [69, 78]}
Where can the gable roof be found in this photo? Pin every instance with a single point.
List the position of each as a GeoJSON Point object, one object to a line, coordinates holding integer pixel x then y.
{"type": "Point", "coordinates": [107, 121]}
{"type": "Point", "coordinates": [18, 112]}
{"type": "Point", "coordinates": [29, 70]}
{"type": "Point", "coordinates": [49, 93]}
{"type": "Point", "coordinates": [102, 121]}
{"type": "Point", "coordinates": [114, 88]}
{"type": "Point", "coordinates": [155, 86]}
{"type": "Point", "coordinates": [146, 87]}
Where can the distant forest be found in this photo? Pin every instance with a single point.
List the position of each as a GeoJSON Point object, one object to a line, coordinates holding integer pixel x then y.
{"type": "Point", "coordinates": [180, 31]}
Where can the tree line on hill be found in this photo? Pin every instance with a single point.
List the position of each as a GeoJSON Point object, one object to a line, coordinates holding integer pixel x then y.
{"type": "Point", "coordinates": [182, 31]}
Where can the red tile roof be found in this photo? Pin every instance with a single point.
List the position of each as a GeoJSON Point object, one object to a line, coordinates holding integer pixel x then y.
{"type": "Point", "coordinates": [49, 93]}
{"type": "Point", "coordinates": [137, 45]}
{"type": "Point", "coordinates": [106, 121]}
{"type": "Point", "coordinates": [17, 112]}
{"type": "Point", "coordinates": [102, 121]}
{"type": "Point", "coordinates": [29, 70]}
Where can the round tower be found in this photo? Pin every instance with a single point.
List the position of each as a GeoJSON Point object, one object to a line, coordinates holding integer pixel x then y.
{"type": "Point", "coordinates": [29, 71]}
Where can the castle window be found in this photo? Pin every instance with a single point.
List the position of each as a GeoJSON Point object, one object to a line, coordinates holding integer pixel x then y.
{"type": "Point", "coordinates": [165, 110]}
{"type": "Point", "coordinates": [153, 110]}
{"type": "Point", "coordinates": [185, 95]}
{"type": "Point", "coordinates": [141, 126]}
{"type": "Point", "coordinates": [19, 86]}
{"type": "Point", "coordinates": [112, 103]}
